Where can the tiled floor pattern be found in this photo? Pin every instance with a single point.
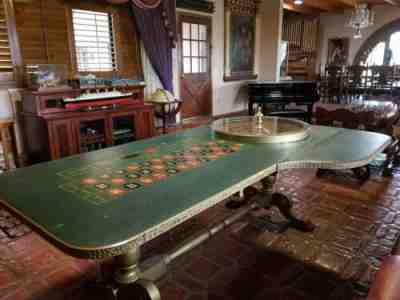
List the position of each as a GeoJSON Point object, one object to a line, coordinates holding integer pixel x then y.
{"type": "Point", "coordinates": [233, 265]}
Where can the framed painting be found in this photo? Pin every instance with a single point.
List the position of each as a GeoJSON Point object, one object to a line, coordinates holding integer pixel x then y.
{"type": "Point", "coordinates": [338, 51]}
{"type": "Point", "coordinates": [240, 33]}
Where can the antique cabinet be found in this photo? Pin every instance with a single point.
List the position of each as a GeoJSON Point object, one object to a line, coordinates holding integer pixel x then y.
{"type": "Point", "coordinates": [54, 131]}
{"type": "Point", "coordinates": [63, 138]}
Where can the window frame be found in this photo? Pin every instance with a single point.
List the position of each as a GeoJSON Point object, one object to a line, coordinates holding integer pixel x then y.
{"type": "Point", "coordinates": [116, 39]}
{"type": "Point", "coordinates": [381, 35]}
{"type": "Point", "coordinates": [14, 78]}
{"type": "Point", "coordinates": [199, 41]}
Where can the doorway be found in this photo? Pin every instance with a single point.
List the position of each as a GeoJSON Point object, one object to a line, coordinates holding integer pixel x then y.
{"type": "Point", "coordinates": [195, 65]}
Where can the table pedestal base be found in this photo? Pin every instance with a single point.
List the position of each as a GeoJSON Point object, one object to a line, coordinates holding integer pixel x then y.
{"type": "Point", "coordinates": [269, 199]}
{"type": "Point", "coordinates": [129, 281]}
{"type": "Point", "coordinates": [392, 153]}
{"type": "Point", "coordinates": [362, 174]}
{"type": "Point", "coordinates": [134, 279]}
{"type": "Point", "coordinates": [140, 290]}
{"type": "Point", "coordinates": [284, 204]}
{"type": "Point", "coordinates": [266, 199]}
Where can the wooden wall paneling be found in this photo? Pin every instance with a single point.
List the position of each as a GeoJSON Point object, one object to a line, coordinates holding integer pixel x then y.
{"type": "Point", "coordinates": [130, 57]}
{"type": "Point", "coordinates": [302, 33]}
{"type": "Point", "coordinates": [45, 34]}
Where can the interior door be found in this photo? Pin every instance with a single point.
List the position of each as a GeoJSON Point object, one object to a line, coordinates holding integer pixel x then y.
{"type": "Point", "coordinates": [195, 65]}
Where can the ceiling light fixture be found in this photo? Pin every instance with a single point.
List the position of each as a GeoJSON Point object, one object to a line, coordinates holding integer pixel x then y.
{"type": "Point", "coordinates": [298, 2]}
{"type": "Point", "coordinates": [361, 17]}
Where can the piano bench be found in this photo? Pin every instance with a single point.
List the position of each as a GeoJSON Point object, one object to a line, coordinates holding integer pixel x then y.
{"type": "Point", "coordinates": [290, 113]}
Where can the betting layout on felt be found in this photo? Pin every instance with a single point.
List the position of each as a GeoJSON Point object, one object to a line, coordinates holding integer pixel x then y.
{"type": "Point", "coordinates": [107, 180]}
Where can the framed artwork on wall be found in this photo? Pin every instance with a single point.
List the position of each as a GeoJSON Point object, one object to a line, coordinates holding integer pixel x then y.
{"type": "Point", "coordinates": [338, 51]}
{"type": "Point", "coordinates": [240, 36]}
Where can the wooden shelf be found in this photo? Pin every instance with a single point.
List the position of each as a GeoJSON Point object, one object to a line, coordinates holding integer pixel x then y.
{"type": "Point", "coordinates": [93, 138]}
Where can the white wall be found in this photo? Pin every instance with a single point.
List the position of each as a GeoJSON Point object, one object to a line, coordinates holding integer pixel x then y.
{"type": "Point", "coordinates": [333, 26]}
{"type": "Point", "coordinates": [227, 97]}
{"type": "Point", "coordinates": [270, 35]}
{"type": "Point", "coordinates": [231, 97]}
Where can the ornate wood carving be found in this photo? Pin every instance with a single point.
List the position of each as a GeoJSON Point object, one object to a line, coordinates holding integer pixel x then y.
{"type": "Point", "coordinates": [242, 7]}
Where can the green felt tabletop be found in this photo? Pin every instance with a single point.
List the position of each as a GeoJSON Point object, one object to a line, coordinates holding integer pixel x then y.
{"type": "Point", "coordinates": [113, 196]}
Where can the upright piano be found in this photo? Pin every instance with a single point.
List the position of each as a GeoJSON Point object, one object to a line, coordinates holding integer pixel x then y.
{"type": "Point", "coordinates": [282, 93]}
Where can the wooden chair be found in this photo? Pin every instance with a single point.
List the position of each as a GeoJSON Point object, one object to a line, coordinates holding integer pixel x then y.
{"type": "Point", "coordinates": [8, 141]}
{"type": "Point", "coordinates": [332, 83]}
{"type": "Point", "coordinates": [339, 118]}
{"type": "Point", "coordinates": [354, 83]}
{"type": "Point", "coordinates": [382, 80]}
{"type": "Point", "coordinates": [386, 285]}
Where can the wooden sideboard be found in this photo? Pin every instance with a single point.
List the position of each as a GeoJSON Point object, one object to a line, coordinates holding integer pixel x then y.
{"type": "Point", "coordinates": [54, 132]}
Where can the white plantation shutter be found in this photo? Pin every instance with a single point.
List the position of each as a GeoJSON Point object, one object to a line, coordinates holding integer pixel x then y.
{"type": "Point", "coordinates": [6, 63]}
{"type": "Point", "coordinates": [94, 41]}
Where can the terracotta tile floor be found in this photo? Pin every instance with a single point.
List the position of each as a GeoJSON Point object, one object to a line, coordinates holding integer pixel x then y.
{"type": "Point", "coordinates": [226, 267]}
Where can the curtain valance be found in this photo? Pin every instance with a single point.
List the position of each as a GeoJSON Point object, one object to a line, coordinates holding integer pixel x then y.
{"type": "Point", "coordinates": [147, 4]}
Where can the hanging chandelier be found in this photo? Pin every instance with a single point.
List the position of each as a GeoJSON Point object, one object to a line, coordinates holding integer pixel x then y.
{"type": "Point", "coordinates": [361, 17]}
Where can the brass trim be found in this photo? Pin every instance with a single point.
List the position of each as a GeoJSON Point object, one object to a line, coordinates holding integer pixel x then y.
{"type": "Point", "coordinates": [261, 138]}
{"type": "Point", "coordinates": [148, 235]}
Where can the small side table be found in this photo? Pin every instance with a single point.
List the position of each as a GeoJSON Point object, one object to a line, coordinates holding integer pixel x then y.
{"type": "Point", "coordinates": [8, 141]}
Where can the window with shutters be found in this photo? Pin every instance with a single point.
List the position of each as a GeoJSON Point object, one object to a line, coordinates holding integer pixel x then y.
{"type": "Point", "coordinates": [94, 41]}
{"type": "Point", "coordinates": [6, 62]}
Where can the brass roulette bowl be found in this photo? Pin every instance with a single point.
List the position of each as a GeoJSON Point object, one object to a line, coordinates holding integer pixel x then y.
{"type": "Point", "coordinates": [260, 129]}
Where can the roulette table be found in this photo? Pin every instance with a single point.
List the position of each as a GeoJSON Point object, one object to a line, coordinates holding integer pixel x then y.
{"type": "Point", "coordinates": [110, 202]}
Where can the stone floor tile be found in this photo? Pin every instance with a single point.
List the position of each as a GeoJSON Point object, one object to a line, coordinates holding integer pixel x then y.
{"type": "Point", "coordinates": [171, 291]}
{"type": "Point", "coordinates": [202, 269]}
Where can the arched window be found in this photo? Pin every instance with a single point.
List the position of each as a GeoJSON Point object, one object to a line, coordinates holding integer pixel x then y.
{"type": "Point", "coordinates": [382, 48]}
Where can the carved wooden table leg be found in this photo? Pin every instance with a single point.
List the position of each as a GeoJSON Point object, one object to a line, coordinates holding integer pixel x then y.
{"type": "Point", "coordinates": [140, 290]}
{"type": "Point", "coordinates": [128, 281]}
{"type": "Point", "coordinates": [128, 277]}
{"type": "Point", "coordinates": [100, 291]}
{"type": "Point", "coordinates": [285, 205]}
{"type": "Point", "coordinates": [392, 159]}
{"type": "Point", "coordinates": [321, 172]}
{"type": "Point", "coordinates": [238, 202]}
{"type": "Point", "coordinates": [362, 173]}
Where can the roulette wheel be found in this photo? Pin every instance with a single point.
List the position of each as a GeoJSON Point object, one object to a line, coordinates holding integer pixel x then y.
{"type": "Point", "coordinates": [261, 129]}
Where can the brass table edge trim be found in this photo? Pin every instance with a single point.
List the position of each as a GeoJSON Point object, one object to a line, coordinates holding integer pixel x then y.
{"type": "Point", "coordinates": [150, 234]}
{"type": "Point", "coordinates": [333, 165]}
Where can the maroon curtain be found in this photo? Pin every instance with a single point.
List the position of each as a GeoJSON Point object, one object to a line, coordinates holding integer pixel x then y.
{"type": "Point", "coordinates": [156, 23]}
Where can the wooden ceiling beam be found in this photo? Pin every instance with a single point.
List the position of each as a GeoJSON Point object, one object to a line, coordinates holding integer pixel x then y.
{"type": "Point", "coordinates": [346, 3]}
{"type": "Point", "coordinates": [322, 5]}
{"type": "Point", "coordinates": [302, 9]}
{"type": "Point", "coordinates": [393, 2]}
